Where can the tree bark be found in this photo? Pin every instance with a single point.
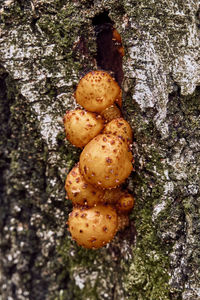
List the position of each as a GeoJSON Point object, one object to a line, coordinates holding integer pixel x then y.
{"type": "Point", "coordinates": [46, 46]}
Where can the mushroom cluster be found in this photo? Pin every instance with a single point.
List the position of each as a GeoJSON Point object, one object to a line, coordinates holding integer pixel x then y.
{"type": "Point", "coordinates": [100, 205]}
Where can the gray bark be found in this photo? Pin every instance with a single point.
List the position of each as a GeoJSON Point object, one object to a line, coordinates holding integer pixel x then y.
{"type": "Point", "coordinates": [46, 46]}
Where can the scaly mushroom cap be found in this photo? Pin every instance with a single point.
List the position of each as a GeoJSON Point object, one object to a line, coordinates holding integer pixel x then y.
{"type": "Point", "coordinates": [93, 227]}
{"type": "Point", "coordinates": [118, 100]}
{"type": "Point", "coordinates": [79, 191]}
{"type": "Point", "coordinates": [125, 203]}
{"type": "Point", "coordinates": [111, 112]}
{"type": "Point", "coordinates": [82, 126]}
{"type": "Point", "coordinates": [112, 196]}
{"type": "Point", "coordinates": [96, 91]}
{"type": "Point", "coordinates": [105, 161]}
{"type": "Point", "coordinates": [121, 128]}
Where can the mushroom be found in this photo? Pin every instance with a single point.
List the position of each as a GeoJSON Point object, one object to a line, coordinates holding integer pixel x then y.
{"type": "Point", "coordinates": [121, 51]}
{"type": "Point", "coordinates": [116, 36]}
{"type": "Point", "coordinates": [105, 161]}
{"type": "Point", "coordinates": [121, 128]}
{"type": "Point", "coordinates": [119, 99]}
{"type": "Point", "coordinates": [82, 126]}
{"type": "Point", "coordinates": [93, 227]}
{"type": "Point", "coordinates": [111, 112]}
{"type": "Point", "coordinates": [81, 192]}
{"type": "Point", "coordinates": [112, 196]}
{"type": "Point", "coordinates": [96, 91]}
{"type": "Point", "coordinates": [125, 203]}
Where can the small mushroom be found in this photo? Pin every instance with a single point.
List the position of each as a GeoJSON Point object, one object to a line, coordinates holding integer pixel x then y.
{"type": "Point", "coordinates": [96, 91]}
{"type": "Point", "coordinates": [111, 112]}
{"type": "Point", "coordinates": [116, 36]}
{"type": "Point", "coordinates": [112, 196]}
{"type": "Point", "coordinates": [125, 203]}
{"type": "Point", "coordinates": [93, 227]}
{"type": "Point", "coordinates": [108, 159]}
{"type": "Point", "coordinates": [121, 51]}
{"type": "Point", "coordinates": [82, 126]}
{"type": "Point", "coordinates": [121, 128]}
{"type": "Point", "coordinates": [79, 191]}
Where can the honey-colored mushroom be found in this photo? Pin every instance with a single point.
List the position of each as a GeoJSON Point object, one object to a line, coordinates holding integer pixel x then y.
{"type": "Point", "coordinates": [79, 191]}
{"type": "Point", "coordinates": [111, 112]}
{"type": "Point", "coordinates": [112, 196]}
{"type": "Point", "coordinates": [116, 36]}
{"type": "Point", "coordinates": [125, 203]}
{"type": "Point", "coordinates": [121, 128]}
{"type": "Point", "coordinates": [121, 51]}
{"type": "Point", "coordinates": [82, 126]}
{"type": "Point", "coordinates": [119, 99]}
{"type": "Point", "coordinates": [105, 161]}
{"type": "Point", "coordinates": [96, 91]}
{"type": "Point", "coordinates": [93, 227]}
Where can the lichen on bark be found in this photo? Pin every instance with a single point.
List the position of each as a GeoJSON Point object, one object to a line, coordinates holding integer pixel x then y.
{"type": "Point", "coordinates": [46, 46]}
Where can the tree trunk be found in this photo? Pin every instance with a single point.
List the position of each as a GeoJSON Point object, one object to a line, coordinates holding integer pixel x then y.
{"type": "Point", "coordinates": [46, 46]}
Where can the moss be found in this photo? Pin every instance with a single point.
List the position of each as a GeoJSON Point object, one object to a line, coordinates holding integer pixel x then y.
{"type": "Point", "coordinates": [148, 272]}
{"type": "Point", "coordinates": [59, 28]}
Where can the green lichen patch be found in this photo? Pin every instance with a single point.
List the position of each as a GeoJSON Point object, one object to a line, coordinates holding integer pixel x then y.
{"type": "Point", "coordinates": [147, 274]}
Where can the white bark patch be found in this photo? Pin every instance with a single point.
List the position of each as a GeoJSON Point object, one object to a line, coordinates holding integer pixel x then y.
{"type": "Point", "coordinates": [33, 77]}
{"type": "Point", "coordinates": [160, 55]}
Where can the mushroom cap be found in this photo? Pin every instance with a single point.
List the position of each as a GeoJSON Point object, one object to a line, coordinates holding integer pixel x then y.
{"type": "Point", "coordinates": [112, 196]}
{"type": "Point", "coordinates": [116, 35]}
{"type": "Point", "coordinates": [105, 161]}
{"type": "Point", "coordinates": [82, 126]}
{"type": "Point", "coordinates": [111, 112]}
{"type": "Point", "coordinates": [121, 51]}
{"type": "Point", "coordinates": [79, 191]}
{"type": "Point", "coordinates": [118, 100]}
{"type": "Point", "coordinates": [93, 227]}
{"type": "Point", "coordinates": [121, 128]}
{"type": "Point", "coordinates": [96, 91]}
{"type": "Point", "coordinates": [125, 203]}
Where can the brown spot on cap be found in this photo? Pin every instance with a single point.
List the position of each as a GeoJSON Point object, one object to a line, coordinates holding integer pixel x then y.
{"type": "Point", "coordinates": [108, 160]}
{"type": "Point", "coordinates": [74, 173]}
{"type": "Point", "coordinates": [105, 229]}
{"type": "Point", "coordinates": [93, 239]}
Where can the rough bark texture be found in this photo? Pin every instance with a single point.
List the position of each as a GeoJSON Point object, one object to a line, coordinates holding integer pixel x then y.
{"type": "Point", "coordinates": [46, 46]}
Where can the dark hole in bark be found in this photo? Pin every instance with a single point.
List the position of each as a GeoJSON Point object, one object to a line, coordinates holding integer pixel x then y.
{"type": "Point", "coordinates": [108, 57]}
